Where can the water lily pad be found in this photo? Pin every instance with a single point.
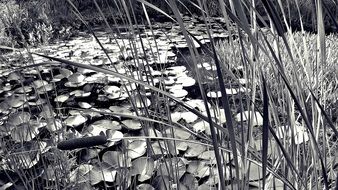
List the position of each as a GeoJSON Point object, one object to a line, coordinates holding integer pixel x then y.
{"type": "Point", "coordinates": [54, 125]}
{"type": "Point", "coordinates": [136, 149]}
{"type": "Point", "coordinates": [98, 175]}
{"type": "Point", "coordinates": [144, 167]}
{"type": "Point", "coordinates": [113, 136]}
{"type": "Point", "coordinates": [76, 78]}
{"type": "Point", "coordinates": [189, 181]}
{"type": "Point", "coordinates": [194, 150]}
{"type": "Point", "coordinates": [80, 93]}
{"type": "Point", "coordinates": [299, 131]}
{"type": "Point", "coordinates": [24, 89]}
{"type": "Point", "coordinates": [85, 105]}
{"type": "Point", "coordinates": [197, 103]}
{"type": "Point", "coordinates": [45, 88]}
{"type": "Point", "coordinates": [132, 124]}
{"type": "Point", "coordinates": [178, 133]}
{"type": "Point", "coordinates": [141, 101]}
{"type": "Point", "coordinates": [198, 168]}
{"type": "Point", "coordinates": [100, 126]}
{"type": "Point", "coordinates": [16, 101]}
{"type": "Point", "coordinates": [24, 132]}
{"type": "Point", "coordinates": [65, 72]}
{"type": "Point", "coordinates": [14, 76]}
{"type": "Point", "coordinates": [187, 116]}
{"type": "Point", "coordinates": [255, 117]}
{"type": "Point", "coordinates": [75, 120]}
{"type": "Point", "coordinates": [178, 93]}
{"type": "Point", "coordinates": [80, 173]}
{"type": "Point", "coordinates": [61, 98]}
{"type": "Point", "coordinates": [19, 118]}
{"type": "Point", "coordinates": [186, 81]}
{"type": "Point", "coordinates": [144, 186]}
{"type": "Point", "coordinates": [39, 83]}
{"type": "Point", "coordinates": [113, 91]}
{"type": "Point", "coordinates": [200, 126]}
{"type": "Point", "coordinates": [115, 159]}
{"type": "Point", "coordinates": [214, 94]}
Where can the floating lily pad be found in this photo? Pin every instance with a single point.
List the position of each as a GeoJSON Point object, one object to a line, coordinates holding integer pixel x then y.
{"type": "Point", "coordinates": [16, 101]}
{"type": "Point", "coordinates": [61, 98]}
{"type": "Point", "coordinates": [80, 93]}
{"type": "Point", "coordinates": [299, 131]}
{"type": "Point", "coordinates": [85, 105]}
{"type": "Point", "coordinates": [19, 118]}
{"type": "Point", "coordinates": [115, 159]}
{"type": "Point", "coordinates": [24, 132]}
{"type": "Point", "coordinates": [80, 173]}
{"type": "Point", "coordinates": [54, 125]}
{"type": "Point", "coordinates": [198, 168]}
{"type": "Point", "coordinates": [194, 150]}
{"type": "Point", "coordinates": [144, 186]}
{"type": "Point", "coordinates": [179, 93]}
{"type": "Point", "coordinates": [214, 94]}
{"type": "Point", "coordinates": [200, 126]}
{"type": "Point", "coordinates": [144, 167]}
{"type": "Point", "coordinates": [255, 117]}
{"type": "Point", "coordinates": [98, 175]}
{"type": "Point", "coordinates": [24, 89]}
{"type": "Point", "coordinates": [132, 124]}
{"type": "Point", "coordinates": [76, 78]}
{"type": "Point", "coordinates": [178, 133]}
{"type": "Point", "coordinates": [197, 103]}
{"type": "Point", "coordinates": [75, 120]}
{"type": "Point", "coordinates": [186, 81]}
{"type": "Point", "coordinates": [136, 149]}
{"type": "Point", "coordinates": [39, 83]}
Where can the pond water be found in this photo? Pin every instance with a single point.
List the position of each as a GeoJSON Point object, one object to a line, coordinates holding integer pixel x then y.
{"type": "Point", "coordinates": [87, 103]}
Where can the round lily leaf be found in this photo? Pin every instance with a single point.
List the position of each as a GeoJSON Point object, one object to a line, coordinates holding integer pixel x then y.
{"type": "Point", "coordinates": [24, 132]}
{"type": "Point", "coordinates": [61, 98]}
{"type": "Point", "coordinates": [144, 186]}
{"type": "Point", "coordinates": [136, 149]}
{"type": "Point", "coordinates": [75, 120]}
{"type": "Point", "coordinates": [257, 119]}
{"type": "Point", "coordinates": [194, 150]}
{"type": "Point", "coordinates": [19, 118]}
{"type": "Point", "coordinates": [144, 167]}
{"type": "Point", "coordinates": [132, 124]}
{"type": "Point", "coordinates": [115, 159]}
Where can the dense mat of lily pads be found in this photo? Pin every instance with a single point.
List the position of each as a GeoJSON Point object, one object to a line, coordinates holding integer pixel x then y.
{"type": "Point", "coordinates": [45, 105]}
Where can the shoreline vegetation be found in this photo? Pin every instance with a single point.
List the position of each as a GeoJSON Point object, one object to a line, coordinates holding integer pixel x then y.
{"type": "Point", "coordinates": [168, 94]}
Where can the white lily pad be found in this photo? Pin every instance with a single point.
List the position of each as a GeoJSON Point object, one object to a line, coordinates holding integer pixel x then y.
{"type": "Point", "coordinates": [76, 78]}
{"type": "Point", "coordinates": [255, 117]}
{"type": "Point", "coordinates": [75, 120]}
{"type": "Point", "coordinates": [299, 131]}
{"type": "Point", "coordinates": [115, 159]}
{"type": "Point", "coordinates": [85, 105]}
{"type": "Point", "coordinates": [132, 124]}
{"type": "Point", "coordinates": [97, 175]}
{"type": "Point", "coordinates": [144, 186]}
{"type": "Point", "coordinates": [186, 81]}
{"type": "Point", "coordinates": [24, 132]}
{"type": "Point", "coordinates": [194, 150]}
{"type": "Point", "coordinates": [144, 167]}
{"type": "Point", "coordinates": [178, 133]}
{"type": "Point", "coordinates": [19, 118]}
{"type": "Point", "coordinates": [136, 149]}
{"type": "Point", "coordinates": [178, 93]}
{"type": "Point", "coordinates": [61, 98]}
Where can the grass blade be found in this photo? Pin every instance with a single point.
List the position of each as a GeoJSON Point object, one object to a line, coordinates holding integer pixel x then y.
{"type": "Point", "coordinates": [265, 139]}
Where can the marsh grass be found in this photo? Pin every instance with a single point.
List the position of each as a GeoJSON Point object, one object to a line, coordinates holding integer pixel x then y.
{"type": "Point", "coordinates": [290, 82]}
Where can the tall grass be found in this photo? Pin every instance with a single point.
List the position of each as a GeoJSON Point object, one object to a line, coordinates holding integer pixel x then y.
{"type": "Point", "coordinates": [291, 79]}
